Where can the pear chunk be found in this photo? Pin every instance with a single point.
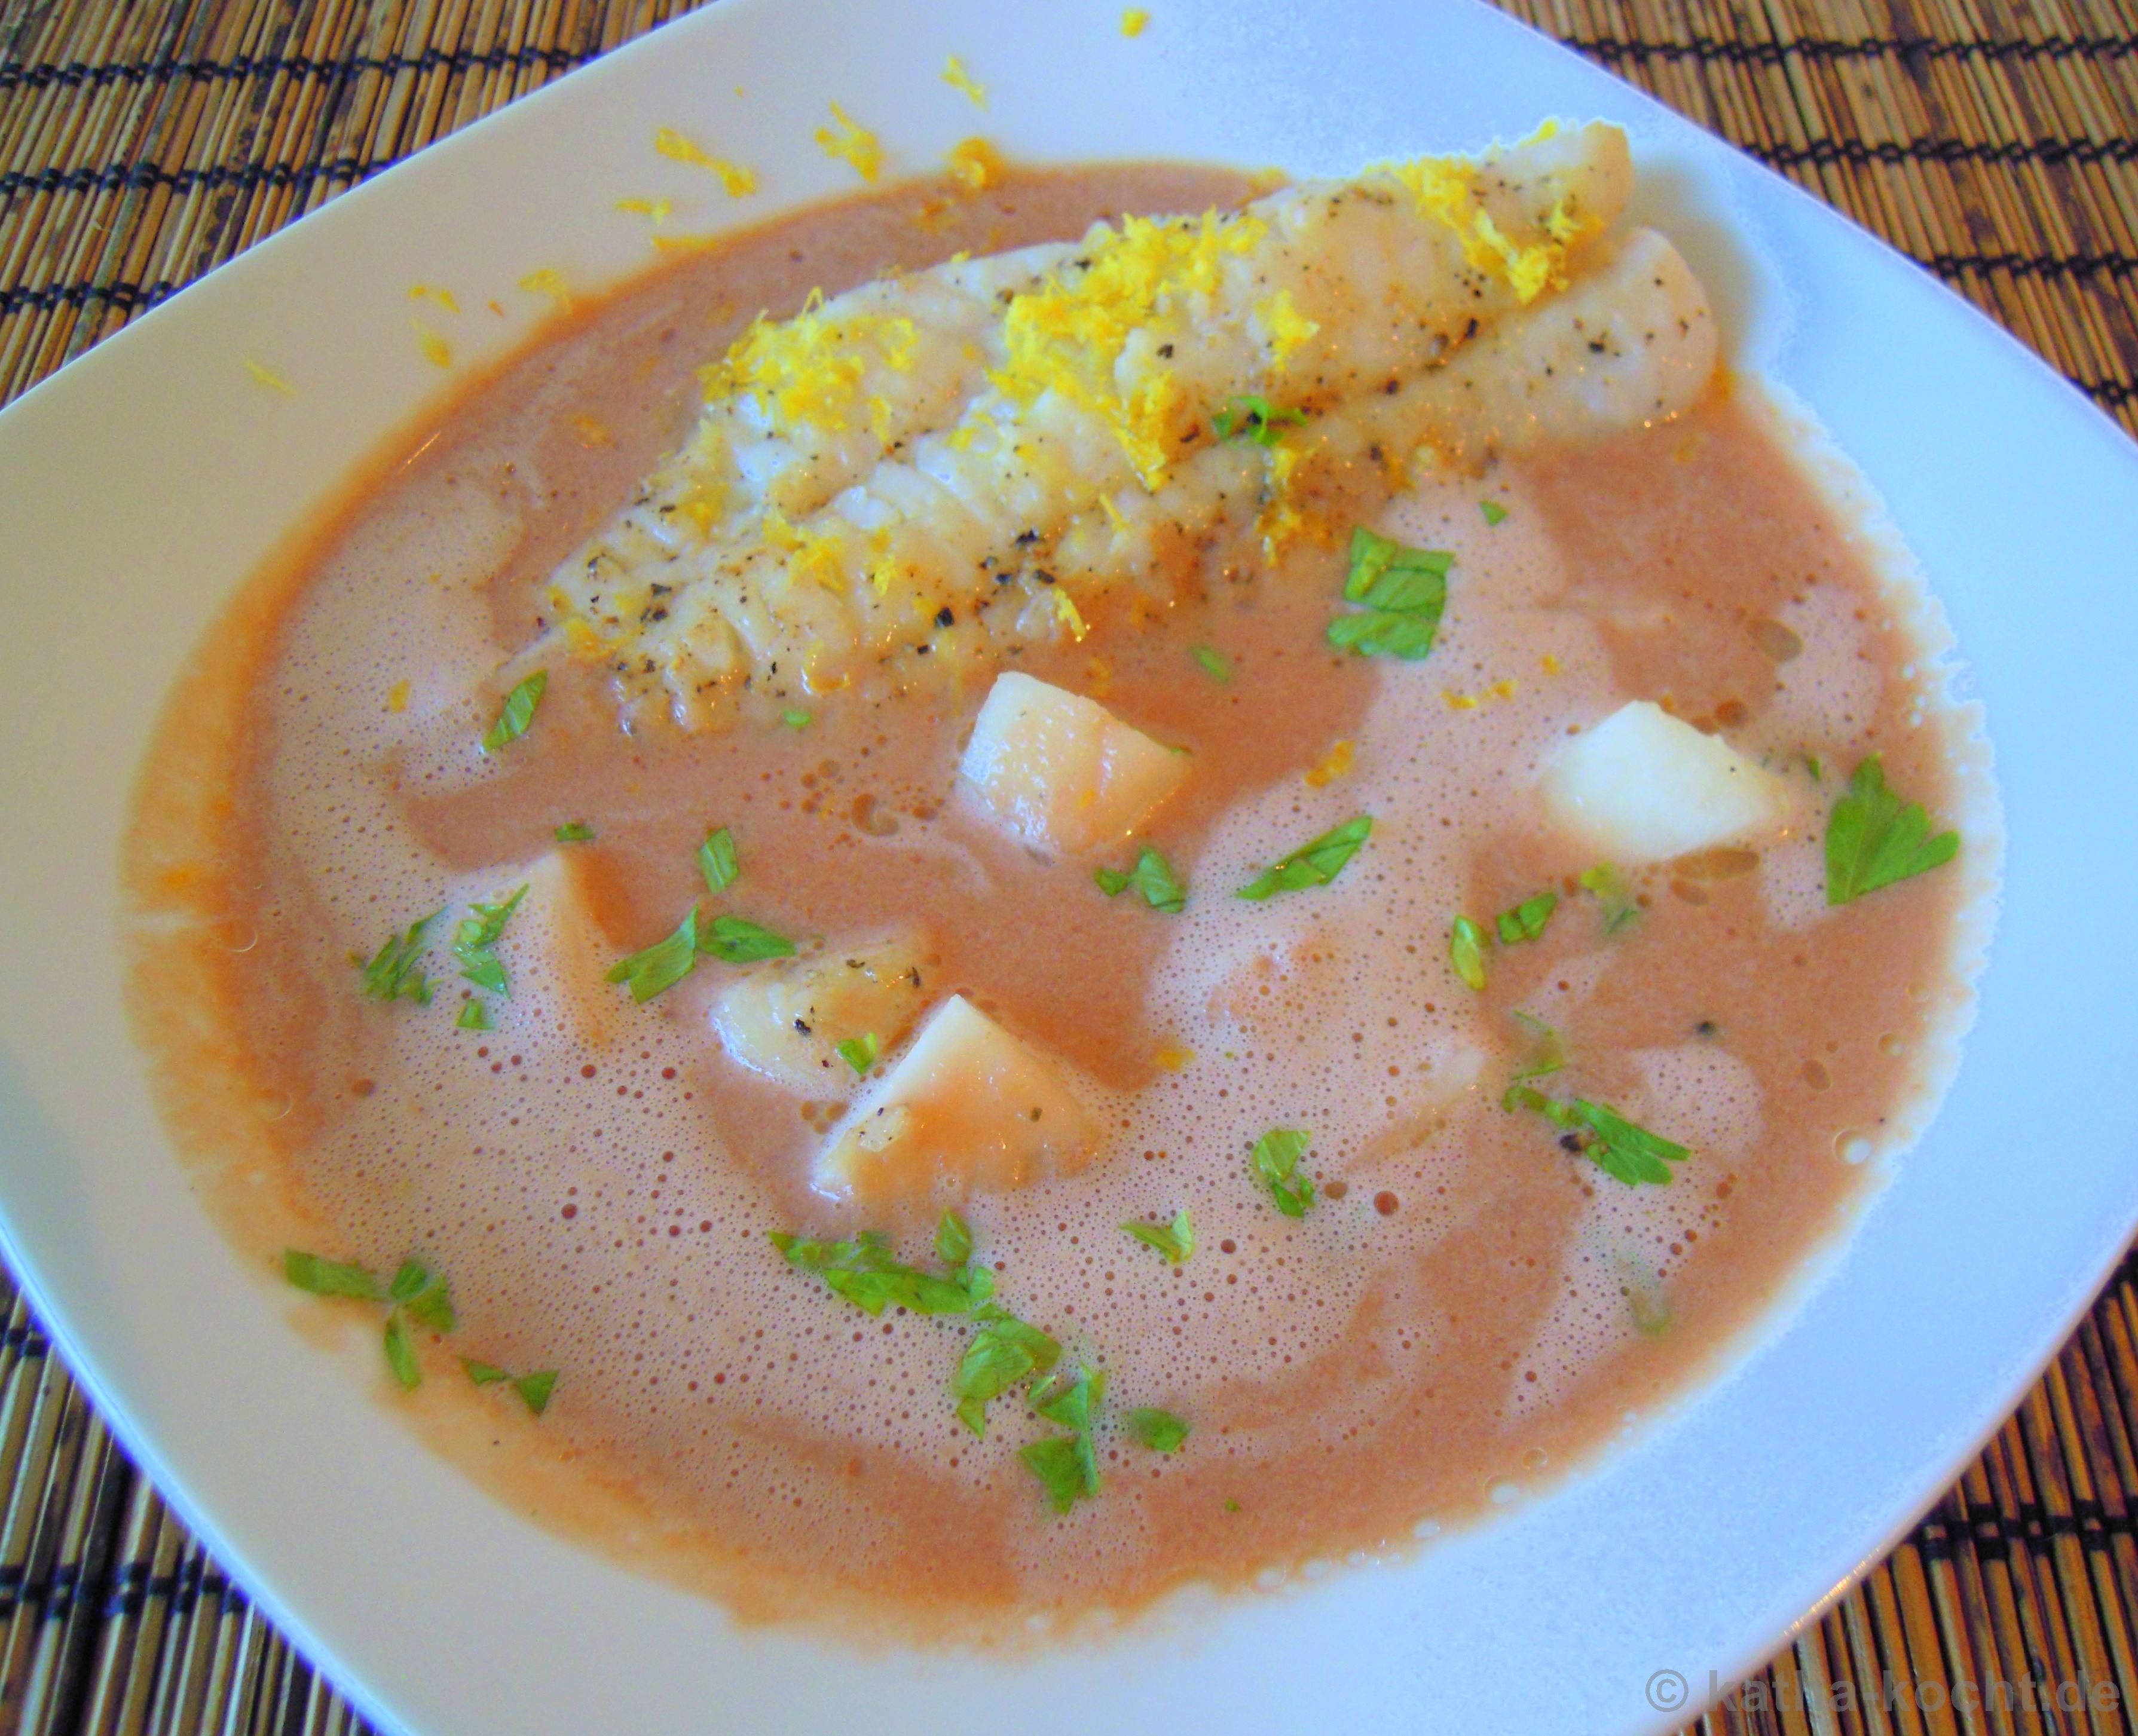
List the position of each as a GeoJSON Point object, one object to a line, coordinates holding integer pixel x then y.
{"type": "Point", "coordinates": [787, 1021]}
{"type": "Point", "coordinates": [1062, 772]}
{"type": "Point", "coordinates": [967, 1107]}
{"type": "Point", "coordinates": [559, 953]}
{"type": "Point", "coordinates": [1644, 787]}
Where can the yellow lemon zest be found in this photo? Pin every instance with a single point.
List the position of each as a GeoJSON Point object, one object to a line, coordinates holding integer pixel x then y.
{"type": "Point", "coordinates": [436, 350]}
{"type": "Point", "coordinates": [1134, 21]}
{"type": "Point", "coordinates": [656, 209]}
{"type": "Point", "coordinates": [272, 381]}
{"type": "Point", "coordinates": [550, 282]}
{"type": "Point", "coordinates": [1446, 190]}
{"type": "Point", "coordinates": [397, 695]}
{"type": "Point", "coordinates": [976, 165]}
{"type": "Point", "coordinates": [808, 369]}
{"type": "Point", "coordinates": [738, 180]}
{"type": "Point", "coordinates": [1288, 329]}
{"type": "Point", "coordinates": [1064, 612]}
{"type": "Point", "coordinates": [1335, 763]}
{"type": "Point", "coordinates": [1173, 1058]}
{"type": "Point", "coordinates": [852, 143]}
{"type": "Point", "coordinates": [430, 292]}
{"type": "Point", "coordinates": [958, 79]}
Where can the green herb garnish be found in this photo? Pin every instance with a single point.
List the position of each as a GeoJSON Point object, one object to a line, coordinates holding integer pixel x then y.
{"type": "Point", "coordinates": [1004, 1353]}
{"type": "Point", "coordinates": [860, 1053]}
{"type": "Point", "coordinates": [1527, 919]}
{"type": "Point", "coordinates": [861, 1270]}
{"type": "Point", "coordinates": [1465, 951]}
{"type": "Point", "coordinates": [954, 1239]}
{"type": "Point", "coordinates": [1612, 893]}
{"type": "Point", "coordinates": [517, 713]}
{"type": "Point", "coordinates": [735, 940]}
{"type": "Point", "coordinates": [1065, 1464]}
{"type": "Point", "coordinates": [331, 1277]}
{"type": "Point", "coordinates": [1494, 513]}
{"type": "Point", "coordinates": [1176, 1241]}
{"type": "Point", "coordinates": [474, 1015]}
{"type": "Point", "coordinates": [1547, 1050]}
{"type": "Point", "coordinates": [390, 973]}
{"type": "Point", "coordinates": [1161, 1431]}
{"type": "Point", "coordinates": [534, 1389]}
{"type": "Point", "coordinates": [1153, 876]}
{"type": "Point", "coordinates": [662, 965]}
{"type": "Point", "coordinates": [1275, 1159]}
{"type": "Point", "coordinates": [574, 832]}
{"type": "Point", "coordinates": [795, 719]}
{"type": "Point", "coordinates": [1254, 417]}
{"type": "Point", "coordinates": [475, 943]}
{"type": "Point", "coordinates": [718, 861]}
{"type": "Point", "coordinates": [420, 1294]}
{"type": "Point", "coordinates": [1215, 663]}
{"type": "Point", "coordinates": [401, 1354]}
{"type": "Point", "coordinates": [1312, 865]}
{"type": "Point", "coordinates": [1873, 840]}
{"type": "Point", "coordinates": [1630, 1154]}
{"type": "Point", "coordinates": [1404, 591]}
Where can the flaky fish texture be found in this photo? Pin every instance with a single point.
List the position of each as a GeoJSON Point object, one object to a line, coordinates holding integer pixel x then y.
{"type": "Point", "coordinates": [910, 479]}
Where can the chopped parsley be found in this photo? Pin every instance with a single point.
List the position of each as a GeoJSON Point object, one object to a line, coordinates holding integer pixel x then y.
{"type": "Point", "coordinates": [662, 965]}
{"type": "Point", "coordinates": [1312, 865]}
{"type": "Point", "coordinates": [1004, 1353]}
{"type": "Point", "coordinates": [1612, 893]}
{"type": "Point", "coordinates": [1404, 591]}
{"type": "Point", "coordinates": [954, 1239]}
{"type": "Point", "coordinates": [1873, 840]}
{"type": "Point", "coordinates": [861, 1270]}
{"type": "Point", "coordinates": [1527, 919]}
{"type": "Point", "coordinates": [474, 1015]}
{"type": "Point", "coordinates": [517, 712]}
{"type": "Point", "coordinates": [736, 940]}
{"type": "Point", "coordinates": [574, 832]}
{"type": "Point", "coordinates": [1465, 951]}
{"type": "Point", "coordinates": [1254, 417]}
{"type": "Point", "coordinates": [534, 1389]}
{"type": "Point", "coordinates": [401, 1352]}
{"type": "Point", "coordinates": [1176, 1241]}
{"type": "Point", "coordinates": [319, 1277]}
{"type": "Point", "coordinates": [860, 1053]}
{"type": "Point", "coordinates": [422, 1294]}
{"type": "Point", "coordinates": [795, 719]}
{"type": "Point", "coordinates": [1494, 513]}
{"type": "Point", "coordinates": [1214, 662]}
{"type": "Point", "coordinates": [1275, 1159]}
{"type": "Point", "coordinates": [475, 943]}
{"type": "Point", "coordinates": [1161, 1431]}
{"type": "Point", "coordinates": [1547, 1049]}
{"type": "Point", "coordinates": [718, 861]}
{"type": "Point", "coordinates": [1621, 1149]}
{"type": "Point", "coordinates": [390, 973]}
{"type": "Point", "coordinates": [1153, 876]}
{"type": "Point", "coordinates": [1064, 1464]}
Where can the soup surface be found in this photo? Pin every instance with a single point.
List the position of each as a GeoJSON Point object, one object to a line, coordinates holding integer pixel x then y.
{"type": "Point", "coordinates": [1468, 1303]}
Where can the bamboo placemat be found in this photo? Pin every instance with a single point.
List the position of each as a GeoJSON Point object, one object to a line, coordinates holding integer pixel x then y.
{"type": "Point", "coordinates": [1995, 140]}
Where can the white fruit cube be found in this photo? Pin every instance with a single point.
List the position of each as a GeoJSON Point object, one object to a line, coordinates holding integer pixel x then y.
{"type": "Point", "coordinates": [787, 1021]}
{"type": "Point", "coordinates": [1643, 785]}
{"type": "Point", "coordinates": [969, 1107]}
{"type": "Point", "coordinates": [1062, 772]}
{"type": "Point", "coordinates": [557, 954]}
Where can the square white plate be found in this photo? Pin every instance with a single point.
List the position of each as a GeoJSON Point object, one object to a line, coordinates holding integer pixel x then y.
{"type": "Point", "coordinates": [141, 485]}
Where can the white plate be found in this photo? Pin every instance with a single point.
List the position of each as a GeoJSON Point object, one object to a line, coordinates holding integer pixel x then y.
{"type": "Point", "coordinates": [141, 485]}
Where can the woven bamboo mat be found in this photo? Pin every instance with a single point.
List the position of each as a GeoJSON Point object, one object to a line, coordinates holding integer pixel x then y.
{"type": "Point", "coordinates": [1996, 141]}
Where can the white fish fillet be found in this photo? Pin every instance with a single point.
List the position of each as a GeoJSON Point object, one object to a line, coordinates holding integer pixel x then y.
{"type": "Point", "coordinates": [915, 476]}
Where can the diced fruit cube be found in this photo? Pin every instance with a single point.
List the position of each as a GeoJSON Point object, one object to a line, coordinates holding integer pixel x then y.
{"type": "Point", "coordinates": [558, 948]}
{"type": "Point", "coordinates": [969, 1107]}
{"type": "Point", "coordinates": [787, 1021]}
{"type": "Point", "coordinates": [1644, 787]}
{"type": "Point", "coordinates": [1062, 772]}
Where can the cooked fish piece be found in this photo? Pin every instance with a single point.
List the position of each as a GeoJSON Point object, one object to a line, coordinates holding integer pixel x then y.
{"type": "Point", "coordinates": [916, 476]}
